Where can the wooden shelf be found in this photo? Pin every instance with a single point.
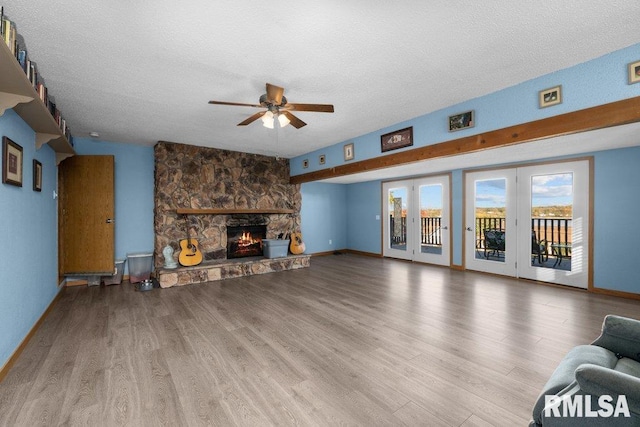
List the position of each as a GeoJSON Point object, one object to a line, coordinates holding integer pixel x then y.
{"type": "Point", "coordinates": [187, 211]}
{"type": "Point", "coordinates": [17, 92]}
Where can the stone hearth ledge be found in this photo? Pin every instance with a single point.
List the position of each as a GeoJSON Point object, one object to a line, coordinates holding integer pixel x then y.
{"type": "Point", "coordinates": [210, 271]}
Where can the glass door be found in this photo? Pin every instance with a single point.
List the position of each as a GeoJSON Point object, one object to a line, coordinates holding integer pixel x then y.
{"type": "Point", "coordinates": [416, 220]}
{"type": "Point", "coordinates": [431, 213]}
{"type": "Point", "coordinates": [554, 206]}
{"type": "Point", "coordinates": [490, 221]}
{"type": "Point", "coordinates": [396, 199]}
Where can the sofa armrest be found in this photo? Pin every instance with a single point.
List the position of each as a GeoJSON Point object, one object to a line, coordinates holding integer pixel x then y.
{"type": "Point", "coordinates": [621, 335]}
{"type": "Point", "coordinates": [598, 381]}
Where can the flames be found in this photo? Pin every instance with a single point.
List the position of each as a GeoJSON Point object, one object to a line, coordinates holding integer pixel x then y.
{"type": "Point", "coordinates": [246, 239]}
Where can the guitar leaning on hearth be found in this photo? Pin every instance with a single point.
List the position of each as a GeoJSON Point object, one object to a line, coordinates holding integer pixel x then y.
{"type": "Point", "coordinates": [297, 245]}
{"type": "Point", "coordinates": [190, 254]}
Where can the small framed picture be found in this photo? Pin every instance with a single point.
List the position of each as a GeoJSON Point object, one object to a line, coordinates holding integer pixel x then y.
{"type": "Point", "coordinates": [398, 139]}
{"type": "Point", "coordinates": [348, 151]}
{"type": "Point", "coordinates": [305, 163]}
{"type": "Point", "coordinates": [11, 162]}
{"type": "Point", "coordinates": [322, 159]}
{"type": "Point", "coordinates": [549, 97]}
{"type": "Point", "coordinates": [634, 72]}
{"type": "Point", "coordinates": [461, 121]}
{"type": "Point", "coordinates": [37, 175]}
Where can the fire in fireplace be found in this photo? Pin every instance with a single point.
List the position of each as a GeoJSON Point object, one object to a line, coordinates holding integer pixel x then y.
{"type": "Point", "coordinates": [245, 241]}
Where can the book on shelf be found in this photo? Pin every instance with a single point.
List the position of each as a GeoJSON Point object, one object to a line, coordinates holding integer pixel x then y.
{"type": "Point", "coordinates": [9, 35]}
{"type": "Point", "coordinates": [16, 44]}
{"type": "Point", "coordinates": [22, 59]}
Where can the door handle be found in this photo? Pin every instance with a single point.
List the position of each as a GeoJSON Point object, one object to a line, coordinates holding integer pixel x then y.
{"type": "Point", "coordinates": [469, 229]}
{"type": "Point", "coordinates": [110, 221]}
{"type": "Point", "coordinates": [445, 228]}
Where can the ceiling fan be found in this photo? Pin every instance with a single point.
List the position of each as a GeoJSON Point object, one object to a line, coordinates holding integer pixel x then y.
{"type": "Point", "coordinates": [278, 107]}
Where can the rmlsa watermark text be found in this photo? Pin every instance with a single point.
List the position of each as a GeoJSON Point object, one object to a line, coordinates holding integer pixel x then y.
{"type": "Point", "coordinates": [587, 406]}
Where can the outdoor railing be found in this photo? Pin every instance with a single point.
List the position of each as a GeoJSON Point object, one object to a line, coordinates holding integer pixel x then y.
{"type": "Point", "coordinates": [429, 231]}
{"type": "Point", "coordinates": [553, 230]}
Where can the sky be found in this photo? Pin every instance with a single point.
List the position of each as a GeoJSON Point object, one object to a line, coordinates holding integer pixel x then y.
{"type": "Point", "coordinates": [430, 196]}
{"type": "Point", "coordinates": [546, 190]}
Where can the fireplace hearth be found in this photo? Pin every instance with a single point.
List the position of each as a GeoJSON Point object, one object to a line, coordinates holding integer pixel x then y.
{"type": "Point", "coordinates": [245, 241]}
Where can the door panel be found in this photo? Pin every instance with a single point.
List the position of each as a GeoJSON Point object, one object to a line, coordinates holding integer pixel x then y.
{"type": "Point", "coordinates": [396, 200]}
{"type": "Point", "coordinates": [416, 225]}
{"type": "Point", "coordinates": [490, 221]}
{"type": "Point", "coordinates": [554, 201]}
{"type": "Point", "coordinates": [86, 215]}
{"type": "Point", "coordinates": [431, 213]}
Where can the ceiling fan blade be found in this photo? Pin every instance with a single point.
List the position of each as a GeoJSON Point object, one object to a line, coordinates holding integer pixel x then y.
{"type": "Point", "coordinates": [322, 108]}
{"type": "Point", "coordinates": [252, 119]}
{"type": "Point", "coordinates": [295, 122]}
{"type": "Point", "coordinates": [235, 103]}
{"type": "Point", "coordinates": [274, 93]}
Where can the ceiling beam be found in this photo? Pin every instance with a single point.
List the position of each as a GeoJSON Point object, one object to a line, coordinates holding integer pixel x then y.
{"type": "Point", "coordinates": [602, 116]}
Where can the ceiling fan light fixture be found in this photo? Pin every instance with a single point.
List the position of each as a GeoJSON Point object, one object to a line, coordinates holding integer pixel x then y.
{"type": "Point", "coordinates": [267, 120]}
{"type": "Point", "coordinates": [283, 120]}
{"type": "Point", "coordinates": [273, 101]}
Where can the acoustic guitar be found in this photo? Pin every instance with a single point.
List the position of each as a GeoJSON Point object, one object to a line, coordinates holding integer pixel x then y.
{"type": "Point", "coordinates": [297, 245]}
{"type": "Point", "coordinates": [190, 254]}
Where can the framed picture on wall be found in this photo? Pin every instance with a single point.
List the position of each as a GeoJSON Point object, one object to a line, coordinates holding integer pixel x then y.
{"type": "Point", "coordinates": [634, 72]}
{"type": "Point", "coordinates": [11, 162]}
{"type": "Point", "coordinates": [549, 97]}
{"type": "Point", "coordinates": [37, 175]}
{"type": "Point", "coordinates": [398, 139]}
{"type": "Point", "coordinates": [348, 151]}
{"type": "Point", "coordinates": [461, 121]}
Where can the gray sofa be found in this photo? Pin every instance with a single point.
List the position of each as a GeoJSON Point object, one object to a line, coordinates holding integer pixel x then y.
{"type": "Point", "coordinates": [610, 366]}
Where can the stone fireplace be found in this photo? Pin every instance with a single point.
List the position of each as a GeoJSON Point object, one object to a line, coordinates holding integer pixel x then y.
{"type": "Point", "coordinates": [201, 180]}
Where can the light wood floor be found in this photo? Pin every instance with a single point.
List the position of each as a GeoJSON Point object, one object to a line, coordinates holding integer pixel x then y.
{"type": "Point", "coordinates": [351, 341]}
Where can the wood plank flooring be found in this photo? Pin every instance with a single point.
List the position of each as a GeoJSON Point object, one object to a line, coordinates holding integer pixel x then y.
{"type": "Point", "coordinates": [351, 340]}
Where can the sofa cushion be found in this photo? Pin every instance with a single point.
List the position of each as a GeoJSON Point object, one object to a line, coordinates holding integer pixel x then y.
{"type": "Point", "coordinates": [565, 372]}
{"type": "Point", "coordinates": [628, 366]}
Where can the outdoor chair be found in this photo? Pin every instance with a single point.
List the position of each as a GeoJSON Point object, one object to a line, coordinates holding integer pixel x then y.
{"type": "Point", "coordinates": [539, 249]}
{"type": "Point", "coordinates": [493, 242]}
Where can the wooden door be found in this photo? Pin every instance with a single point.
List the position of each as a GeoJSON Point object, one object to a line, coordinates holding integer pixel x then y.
{"type": "Point", "coordinates": [86, 215]}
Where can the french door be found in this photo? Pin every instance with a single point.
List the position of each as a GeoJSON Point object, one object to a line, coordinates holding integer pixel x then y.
{"type": "Point", "coordinates": [491, 211]}
{"type": "Point", "coordinates": [555, 208]}
{"type": "Point", "coordinates": [530, 222]}
{"type": "Point", "coordinates": [416, 220]}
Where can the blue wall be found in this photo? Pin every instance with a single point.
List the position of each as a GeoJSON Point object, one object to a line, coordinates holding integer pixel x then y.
{"type": "Point", "coordinates": [364, 210]}
{"type": "Point", "coordinates": [325, 206]}
{"type": "Point", "coordinates": [592, 83]}
{"type": "Point", "coordinates": [616, 238]}
{"type": "Point", "coordinates": [28, 233]}
{"type": "Point", "coordinates": [596, 82]}
{"type": "Point", "coordinates": [134, 175]}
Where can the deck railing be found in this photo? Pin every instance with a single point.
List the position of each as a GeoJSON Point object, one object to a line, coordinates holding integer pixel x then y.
{"type": "Point", "coordinates": [429, 231]}
{"type": "Point", "coordinates": [553, 230]}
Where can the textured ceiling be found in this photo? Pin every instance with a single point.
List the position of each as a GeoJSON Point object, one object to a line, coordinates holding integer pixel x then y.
{"type": "Point", "coordinates": [143, 70]}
